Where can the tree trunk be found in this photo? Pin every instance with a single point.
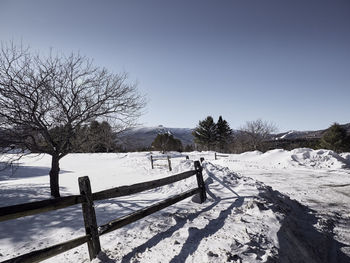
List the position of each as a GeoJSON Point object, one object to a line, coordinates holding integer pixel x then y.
{"type": "Point", "coordinates": [55, 169]}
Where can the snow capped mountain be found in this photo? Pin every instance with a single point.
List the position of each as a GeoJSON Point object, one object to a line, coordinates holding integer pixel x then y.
{"type": "Point", "coordinates": [292, 135]}
{"type": "Point", "coordinates": [142, 137]}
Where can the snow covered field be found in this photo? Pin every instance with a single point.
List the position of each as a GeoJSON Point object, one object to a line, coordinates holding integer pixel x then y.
{"type": "Point", "coordinates": [304, 217]}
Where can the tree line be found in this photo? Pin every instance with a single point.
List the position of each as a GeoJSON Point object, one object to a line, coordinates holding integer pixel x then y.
{"type": "Point", "coordinates": [218, 136]}
{"type": "Point", "coordinates": [258, 135]}
{"type": "Point", "coordinates": [253, 135]}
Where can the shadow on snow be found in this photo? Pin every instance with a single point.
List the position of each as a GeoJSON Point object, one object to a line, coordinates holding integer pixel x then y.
{"type": "Point", "coordinates": [299, 240]}
{"type": "Point", "coordinates": [19, 171]}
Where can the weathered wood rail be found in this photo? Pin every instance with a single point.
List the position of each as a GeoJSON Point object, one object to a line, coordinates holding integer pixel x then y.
{"type": "Point", "coordinates": [86, 198]}
{"type": "Point", "coordinates": [167, 157]}
{"type": "Point", "coordinates": [216, 155]}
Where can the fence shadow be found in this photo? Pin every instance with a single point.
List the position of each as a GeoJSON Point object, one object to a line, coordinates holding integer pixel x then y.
{"type": "Point", "coordinates": [214, 226]}
{"type": "Point", "coordinates": [298, 238]}
{"type": "Point", "coordinates": [211, 177]}
{"type": "Point", "coordinates": [28, 229]}
{"type": "Point", "coordinates": [197, 235]}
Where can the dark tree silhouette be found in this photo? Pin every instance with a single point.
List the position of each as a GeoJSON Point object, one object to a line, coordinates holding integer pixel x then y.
{"type": "Point", "coordinates": [205, 133]}
{"type": "Point", "coordinates": [44, 101]}
{"type": "Point", "coordinates": [335, 138]}
{"type": "Point", "coordinates": [100, 137]}
{"type": "Point", "coordinates": [224, 134]}
{"type": "Point", "coordinates": [166, 142]}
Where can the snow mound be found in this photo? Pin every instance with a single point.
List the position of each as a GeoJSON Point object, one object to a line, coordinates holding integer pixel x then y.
{"type": "Point", "coordinates": [319, 158]}
{"type": "Point", "coordinates": [305, 157]}
{"type": "Point", "coordinates": [346, 156]}
{"type": "Point", "coordinates": [279, 158]}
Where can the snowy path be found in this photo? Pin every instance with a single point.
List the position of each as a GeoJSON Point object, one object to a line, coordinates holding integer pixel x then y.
{"type": "Point", "coordinates": [325, 189]}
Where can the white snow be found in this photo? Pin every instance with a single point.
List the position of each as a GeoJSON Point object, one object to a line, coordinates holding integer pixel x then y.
{"type": "Point", "coordinates": [243, 220]}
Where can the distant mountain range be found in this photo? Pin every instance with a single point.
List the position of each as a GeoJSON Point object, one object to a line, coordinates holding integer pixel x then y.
{"type": "Point", "coordinates": [142, 137]}
{"type": "Point", "coordinates": [292, 135]}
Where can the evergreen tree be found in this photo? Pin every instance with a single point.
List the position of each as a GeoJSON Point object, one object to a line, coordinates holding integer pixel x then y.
{"type": "Point", "coordinates": [205, 133]}
{"type": "Point", "coordinates": [97, 137]}
{"type": "Point", "coordinates": [189, 148]}
{"type": "Point", "coordinates": [335, 139]}
{"type": "Point", "coordinates": [166, 142]}
{"type": "Point", "coordinates": [107, 136]}
{"type": "Point", "coordinates": [224, 134]}
{"type": "Point", "coordinates": [80, 143]}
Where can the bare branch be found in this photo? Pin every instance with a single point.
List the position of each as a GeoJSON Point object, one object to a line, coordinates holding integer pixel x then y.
{"type": "Point", "coordinates": [40, 94]}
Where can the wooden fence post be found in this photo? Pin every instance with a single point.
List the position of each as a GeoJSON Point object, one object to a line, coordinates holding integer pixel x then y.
{"type": "Point", "coordinates": [152, 162]}
{"type": "Point", "coordinates": [215, 156]}
{"type": "Point", "coordinates": [200, 181]}
{"type": "Point", "coordinates": [89, 217]}
{"type": "Point", "coordinates": [169, 162]}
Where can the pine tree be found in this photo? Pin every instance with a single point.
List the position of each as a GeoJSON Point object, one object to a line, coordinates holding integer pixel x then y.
{"type": "Point", "coordinates": [166, 142]}
{"type": "Point", "coordinates": [205, 133]}
{"type": "Point", "coordinates": [224, 134]}
{"type": "Point", "coordinates": [100, 137]}
{"type": "Point", "coordinates": [107, 137]}
{"type": "Point", "coordinates": [335, 139]}
{"type": "Point", "coordinates": [189, 148]}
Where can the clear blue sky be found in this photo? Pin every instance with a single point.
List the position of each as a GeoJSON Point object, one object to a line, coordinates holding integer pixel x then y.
{"type": "Point", "coordinates": [283, 61]}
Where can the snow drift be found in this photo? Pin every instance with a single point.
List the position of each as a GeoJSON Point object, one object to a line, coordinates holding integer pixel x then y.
{"type": "Point", "coordinates": [301, 157]}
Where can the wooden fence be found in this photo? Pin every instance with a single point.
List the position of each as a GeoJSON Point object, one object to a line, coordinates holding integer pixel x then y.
{"type": "Point", "coordinates": [87, 198]}
{"type": "Point", "coordinates": [219, 155]}
{"type": "Point", "coordinates": [168, 158]}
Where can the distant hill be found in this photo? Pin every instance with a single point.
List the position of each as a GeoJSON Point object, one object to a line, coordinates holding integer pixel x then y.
{"type": "Point", "coordinates": [142, 137]}
{"type": "Point", "coordinates": [293, 135]}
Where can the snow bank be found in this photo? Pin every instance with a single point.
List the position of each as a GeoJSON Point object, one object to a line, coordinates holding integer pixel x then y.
{"type": "Point", "coordinates": [319, 158]}
{"type": "Point", "coordinates": [346, 156]}
{"type": "Point", "coordinates": [301, 157]}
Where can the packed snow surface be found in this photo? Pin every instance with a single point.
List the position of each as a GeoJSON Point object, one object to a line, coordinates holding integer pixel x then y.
{"type": "Point", "coordinates": [278, 206]}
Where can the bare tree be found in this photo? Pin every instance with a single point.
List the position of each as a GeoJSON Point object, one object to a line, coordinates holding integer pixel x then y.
{"type": "Point", "coordinates": [44, 100]}
{"type": "Point", "coordinates": [255, 133]}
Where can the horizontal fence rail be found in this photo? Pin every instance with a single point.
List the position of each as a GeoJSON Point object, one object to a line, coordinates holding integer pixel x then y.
{"type": "Point", "coordinates": [86, 199]}
{"type": "Point", "coordinates": [32, 208]}
{"type": "Point", "coordinates": [128, 219]}
{"type": "Point", "coordinates": [45, 253]}
{"type": "Point", "coordinates": [165, 157]}
{"type": "Point", "coordinates": [216, 155]}
{"type": "Point", "coordinates": [140, 187]}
